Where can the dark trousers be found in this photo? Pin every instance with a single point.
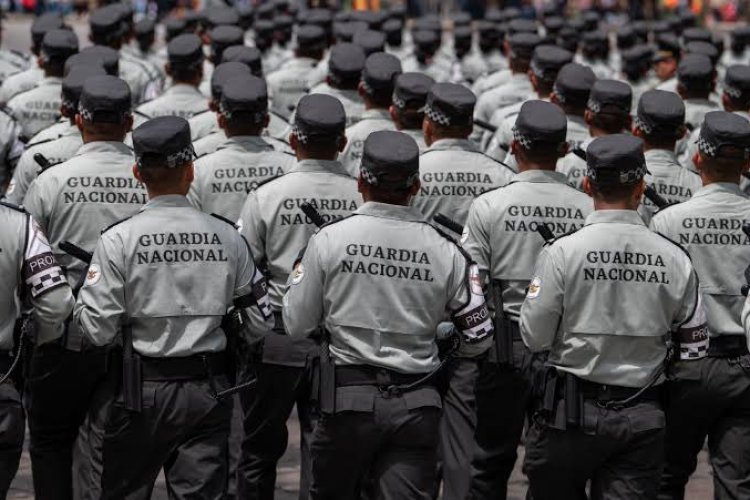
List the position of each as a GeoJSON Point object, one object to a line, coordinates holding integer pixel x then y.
{"type": "Point", "coordinates": [267, 408]}
{"type": "Point", "coordinates": [236, 433]}
{"type": "Point", "coordinates": [60, 388]}
{"type": "Point", "coordinates": [503, 395]}
{"type": "Point", "coordinates": [182, 429]}
{"type": "Point", "coordinates": [12, 428]}
{"type": "Point", "coordinates": [390, 449]}
{"type": "Point", "coordinates": [620, 451]}
{"type": "Point", "coordinates": [457, 426]}
{"type": "Point", "coordinates": [710, 399]}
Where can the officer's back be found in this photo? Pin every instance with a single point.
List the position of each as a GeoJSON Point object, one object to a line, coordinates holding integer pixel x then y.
{"type": "Point", "coordinates": [345, 64]}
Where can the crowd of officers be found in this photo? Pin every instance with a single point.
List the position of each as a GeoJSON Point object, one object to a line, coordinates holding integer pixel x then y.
{"type": "Point", "coordinates": [254, 209]}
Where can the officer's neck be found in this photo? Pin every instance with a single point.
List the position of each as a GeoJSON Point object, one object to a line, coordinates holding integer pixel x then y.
{"type": "Point", "coordinates": [525, 165]}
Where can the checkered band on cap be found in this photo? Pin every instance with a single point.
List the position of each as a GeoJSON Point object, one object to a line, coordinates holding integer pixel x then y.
{"type": "Point", "coordinates": [437, 116]}
{"type": "Point", "coordinates": [628, 177]}
{"type": "Point", "coordinates": [370, 178]}
{"type": "Point", "coordinates": [525, 140]}
{"type": "Point", "coordinates": [536, 69]}
{"type": "Point", "coordinates": [732, 92]}
{"type": "Point", "coordinates": [88, 115]}
{"type": "Point", "coordinates": [299, 134]}
{"type": "Point", "coordinates": [647, 129]}
{"type": "Point", "coordinates": [256, 117]}
{"type": "Point", "coordinates": [706, 147]}
{"type": "Point", "coordinates": [367, 87]}
{"type": "Point", "coordinates": [594, 105]}
{"type": "Point", "coordinates": [398, 102]}
{"type": "Point", "coordinates": [175, 159]}
{"type": "Point", "coordinates": [69, 103]}
{"type": "Point", "coordinates": [559, 93]}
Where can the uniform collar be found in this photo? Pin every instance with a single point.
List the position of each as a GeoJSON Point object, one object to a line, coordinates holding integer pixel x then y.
{"type": "Point", "coordinates": [50, 80]}
{"type": "Point", "coordinates": [719, 187]}
{"type": "Point", "coordinates": [387, 211]}
{"type": "Point", "coordinates": [246, 142]}
{"type": "Point", "coordinates": [320, 166]}
{"type": "Point", "coordinates": [520, 77]}
{"type": "Point", "coordinates": [166, 201]}
{"type": "Point", "coordinates": [540, 176]}
{"type": "Point", "coordinates": [660, 154]}
{"type": "Point", "coordinates": [454, 144]}
{"type": "Point", "coordinates": [376, 114]}
{"type": "Point", "coordinates": [615, 216]}
{"type": "Point", "coordinates": [104, 147]}
{"type": "Point", "coordinates": [182, 88]}
{"type": "Point", "coordinates": [576, 121]}
{"type": "Point", "coordinates": [705, 103]}
{"type": "Point", "coordinates": [301, 62]}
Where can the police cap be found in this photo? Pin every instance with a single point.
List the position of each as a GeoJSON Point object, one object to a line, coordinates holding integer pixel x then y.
{"type": "Point", "coordinates": [283, 23]}
{"type": "Point", "coordinates": [223, 73]}
{"type": "Point", "coordinates": [105, 99]}
{"type": "Point", "coordinates": [107, 22]}
{"type": "Point", "coordinates": [392, 26]}
{"type": "Point", "coordinates": [185, 51]}
{"type": "Point", "coordinates": [397, 11]}
{"type": "Point", "coordinates": [522, 26]}
{"type": "Point", "coordinates": [427, 24]}
{"type": "Point", "coordinates": [72, 84]}
{"type": "Point", "coordinates": [249, 56]}
{"type": "Point", "coordinates": [638, 55]}
{"type": "Point", "coordinates": [346, 62]}
{"type": "Point", "coordinates": [390, 159]}
{"type": "Point", "coordinates": [411, 89]}
{"type": "Point", "coordinates": [695, 71]}
{"type": "Point", "coordinates": [318, 17]}
{"type": "Point", "coordinates": [379, 73]}
{"type": "Point", "coordinates": [462, 35]}
{"type": "Point", "coordinates": [737, 82]}
{"type": "Point", "coordinates": [511, 13]}
{"type": "Point", "coordinates": [344, 32]}
{"type": "Point", "coordinates": [246, 13]}
{"type": "Point", "coordinates": [595, 40]}
{"type": "Point", "coordinates": [225, 36]}
{"type": "Point", "coordinates": [687, 18]}
{"type": "Point", "coordinates": [660, 27]}
{"type": "Point", "coordinates": [174, 27]}
{"type": "Point", "coordinates": [522, 45]}
{"type": "Point", "coordinates": [625, 37]}
{"type": "Point", "coordinates": [319, 117]}
{"type": "Point", "coordinates": [311, 36]}
{"type": "Point", "coordinates": [245, 98]}
{"type": "Point", "coordinates": [696, 35]}
{"type": "Point", "coordinates": [640, 28]}
{"type": "Point", "coordinates": [370, 41]}
{"type": "Point", "coordinates": [540, 124]}
{"type": "Point", "coordinates": [660, 113]}
{"type": "Point", "coordinates": [615, 159]}
{"type": "Point", "coordinates": [575, 25]}
{"type": "Point", "coordinates": [610, 96]}
{"type": "Point", "coordinates": [590, 20]}
{"type": "Point", "coordinates": [547, 61]}
{"type": "Point", "coordinates": [494, 15]}
{"type": "Point", "coordinates": [163, 142]}
{"type": "Point", "coordinates": [220, 16]}
{"type": "Point", "coordinates": [706, 48]}
{"type": "Point", "coordinates": [461, 19]}
{"type": "Point", "coordinates": [263, 29]}
{"type": "Point", "coordinates": [450, 104]}
{"type": "Point", "coordinates": [44, 23]}
{"type": "Point", "coordinates": [741, 36]}
{"type": "Point", "coordinates": [573, 84]}
{"type": "Point", "coordinates": [59, 45]}
{"type": "Point", "coordinates": [108, 57]}
{"type": "Point", "coordinates": [265, 11]}
{"type": "Point", "coordinates": [145, 28]}
{"type": "Point", "coordinates": [668, 46]}
{"type": "Point", "coordinates": [724, 135]}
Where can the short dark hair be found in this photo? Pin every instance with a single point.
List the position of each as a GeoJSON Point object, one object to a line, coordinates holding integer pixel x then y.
{"type": "Point", "coordinates": [162, 177]}
{"type": "Point", "coordinates": [611, 123]}
{"type": "Point", "coordinates": [613, 192]}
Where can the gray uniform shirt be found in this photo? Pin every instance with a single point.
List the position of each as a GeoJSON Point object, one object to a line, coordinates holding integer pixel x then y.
{"type": "Point", "coordinates": [604, 300]}
{"type": "Point", "coordinates": [673, 182]}
{"type": "Point", "coordinates": [454, 172]}
{"type": "Point", "coordinates": [488, 82]}
{"type": "Point", "coordinates": [178, 100]}
{"type": "Point", "coordinates": [27, 169]}
{"type": "Point", "coordinates": [203, 124]}
{"type": "Point", "coordinates": [20, 82]}
{"type": "Point", "coordinates": [29, 269]}
{"type": "Point", "coordinates": [353, 105]}
{"type": "Point", "coordinates": [38, 108]}
{"type": "Point", "coordinates": [501, 231]}
{"type": "Point", "coordinates": [573, 166]}
{"type": "Point", "coordinates": [11, 146]}
{"type": "Point", "coordinates": [709, 226]}
{"type": "Point", "coordinates": [171, 272]}
{"type": "Point", "coordinates": [517, 89]}
{"type": "Point", "coordinates": [210, 143]}
{"type": "Point", "coordinates": [380, 282]}
{"type": "Point", "coordinates": [696, 109]}
{"type": "Point", "coordinates": [276, 228]}
{"type": "Point", "coordinates": [224, 178]}
{"type": "Point", "coordinates": [372, 120]}
{"type": "Point", "coordinates": [290, 82]}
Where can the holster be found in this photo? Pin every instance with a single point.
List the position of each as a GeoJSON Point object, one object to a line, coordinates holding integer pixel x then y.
{"type": "Point", "coordinates": [573, 401]}
{"type": "Point", "coordinates": [132, 373]}
{"type": "Point", "coordinates": [232, 323]}
{"type": "Point", "coordinates": [324, 379]}
{"type": "Point", "coordinates": [560, 386]}
{"type": "Point", "coordinates": [503, 341]}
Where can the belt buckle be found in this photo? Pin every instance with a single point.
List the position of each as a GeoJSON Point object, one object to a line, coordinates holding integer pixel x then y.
{"type": "Point", "coordinates": [389, 391]}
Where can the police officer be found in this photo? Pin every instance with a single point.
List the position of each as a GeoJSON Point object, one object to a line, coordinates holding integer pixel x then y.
{"type": "Point", "coordinates": [571, 92]}
{"type": "Point", "coordinates": [407, 276]}
{"type": "Point", "coordinates": [660, 123]}
{"type": "Point", "coordinates": [199, 267]}
{"type": "Point", "coordinates": [711, 398]}
{"type": "Point", "coordinates": [595, 53]}
{"type": "Point", "coordinates": [245, 160]}
{"type": "Point", "coordinates": [11, 147]}
{"type": "Point", "coordinates": [11, 62]}
{"type": "Point", "coordinates": [264, 41]}
{"type": "Point", "coordinates": [520, 48]}
{"type": "Point", "coordinates": [277, 231]}
{"type": "Point", "coordinates": [60, 148]}
{"type": "Point", "coordinates": [144, 46]}
{"type": "Point", "coordinates": [376, 90]}
{"type": "Point", "coordinates": [739, 42]}
{"type": "Point", "coordinates": [407, 108]}
{"type": "Point", "coordinates": [371, 41]}
{"type": "Point", "coordinates": [31, 276]}
{"type": "Point", "coordinates": [636, 63]}
{"type": "Point", "coordinates": [607, 112]}
{"type": "Point", "coordinates": [27, 80]}
{"type": "Point", "coordinates": [696, 79]}
{"type": "Point", "coordinates": [185, 68]}
{"type": "Point", "coordinates": [425, 57]}
{"type": "Point", "coordinates": [345, 64]}
{"type": "Point", "coordinates": [299, 74]}
{"type": "Point", "coordinates": [665, 61]}
{"type": "Point", "coordinates": [500, 236]}
{"type": "Point", "coordinates": [601, 418]}
{"type": "Point", "coordinates": [74, 201]}
{"type": "Point", "coordinates": [39, 107]}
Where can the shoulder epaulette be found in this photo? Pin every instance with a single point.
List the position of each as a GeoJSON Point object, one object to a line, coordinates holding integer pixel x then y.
{"type": "Point", "coordinates": [335, 220]}
{"type": "Point", "coordinates": [497, 161]}
{"type": "Point", "coordinates": [114, 224]}
{"type": "Point", "coordinates": [20, 54]}
{"type": "Point", "coordinates": [13, 207]}
{"type": "Point", "coordinates": [141, 113]}
{"type": "Point", "coordinates": [42, 171]}
{"type": "Point", "coordinates": [199, 113]}
{"type": "Point", "coordinates": [272, 112]}
{"type": "Point", "coordinates": [684, 250]}
{"type": "Point", "coordinates": [266, 181]}
{"type": "Point", "coordinates": [33, 144]}
{"type": "Point", "coordinates": [557, 238]}
{"type": "Point", "coordinates": [580, 153]}
{"type": "Point", "coordinates": [222, 218]}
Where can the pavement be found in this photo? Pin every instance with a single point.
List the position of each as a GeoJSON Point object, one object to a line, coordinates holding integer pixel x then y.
{"type": "Point", "coordinates": [16, 36]}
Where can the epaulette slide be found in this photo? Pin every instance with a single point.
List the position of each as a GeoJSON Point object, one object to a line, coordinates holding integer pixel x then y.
{"type": "Point", "coordinates": [222, 218]}
{"type": "Point", "coordinates": [13, 207]}
{"type": "Point", "coordinates": [114, 224]}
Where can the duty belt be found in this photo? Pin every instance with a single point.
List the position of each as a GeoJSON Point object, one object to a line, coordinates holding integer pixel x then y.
{"type": "Point", "coordinates": [387, 381]}
{"type": "Point", "coordinates": [198, 366]}
{"type": "Point", "coordinates": [6, 360]}
{"type": "Point", "coordinates": [727, 346]}
{"type": "Point", "coordinates": [605, 393]}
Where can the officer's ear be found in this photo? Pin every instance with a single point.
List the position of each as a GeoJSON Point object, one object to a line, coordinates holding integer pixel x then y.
{"type": "Point", "coordinates": [394, 114]}
{"type": "Point", "coordinates": [342, 143]}
{"type": "Point", "coordinates": [427, 131]}
{"type": "Point", "coordinates": [698, 161]}
{"type": "Point", "coordinates": [190, 173]}
{"type": "Point", "coordinates": [681, 132]}
{"type": "Point", "coordinates": [554, 100]}
{"type": "Point", "coordinates": [587, 186]}
{"type": "Point", "coordinates": [637, 132]}
{"type": "Point", "coordinates": [266, 121]}
{"type": "Point", "coordinates": [129, 123]}
{"type": "Point", "coordinates": [725, 101]}
{"type": "Point", "coordinates": [168, 69]}
{"type": "Point", "coordinates": [79, 122]}
{"type": "Point", "coordinates": [212, 105]}
{"type": "Point", "coordinates": [638, 193]}
{"type": "Point", "coordinates": [588, 117]}
{"type": "Point", "coordinates": [222, 120]}
{"type": "Point", "coordinates": [137, 174]}
{"type": "Point", "coordinates": [293, 143]}
{"type": "Point", "coordinates": [362, 93]}
{"type": "Point", "coordinates": [514, 147]}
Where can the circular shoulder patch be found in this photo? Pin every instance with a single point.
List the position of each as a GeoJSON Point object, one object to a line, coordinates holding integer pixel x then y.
{"type": "Point", "coordinates": [464, 236]}
{"type": "Point", "coordinates": [534, 288]}
{"type": "Point", "coordinates": [93, 275]}
{"type": "Point", "coordinates": [298, 273]}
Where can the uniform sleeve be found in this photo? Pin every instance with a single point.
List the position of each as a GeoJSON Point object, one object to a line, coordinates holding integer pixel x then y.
{"type": "Point", "coordinates": [746, 320]}
{"type": "Point", "coordinates": [34, 203]}
{"type": "Point", "coordinates": [303, 301]}
{"type": "Point", "coordinates": [469, 309]}
{"type": "Point", "coordinates": [543, 307]}
{"type": "Point", "coordinates": [252, 227]}
{"type": "Point", "coordinates": [659, 225]}
{"type": "Point", "coordinates": [691, 323]}
{"type": "Point", "coordinates": [23, 176]}
{"type": "Point", "coordinates": [195, 192]}
{"type": "Point", "coordinates": [475, 238]}
{"type": "Point", "coordinates": [101, 308]}
{"type": "Point", "coordinates": [48, 290]}
{"type": "Point", "coordinates": [250, 284]}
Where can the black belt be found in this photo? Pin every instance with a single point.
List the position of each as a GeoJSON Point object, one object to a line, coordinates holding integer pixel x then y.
{"type": "Point", "coordinates": [6, 360]}
{"type": "Point", "coordinates": [278, 323]}
{"type": "Point", "coordinates": [727, 346]}
{"type": "Point", "coordinates": [515, 329]}
{"type": "Point", "coordinates": [351, 375]}
{"type": "Point", "coordinates": [603, 393]}
{"type": "Point", "coordinates": [198, 366]}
